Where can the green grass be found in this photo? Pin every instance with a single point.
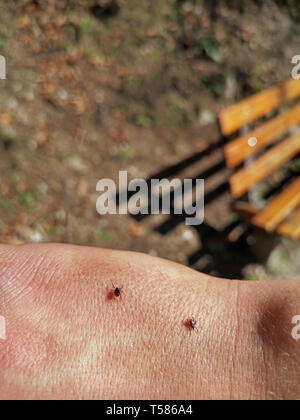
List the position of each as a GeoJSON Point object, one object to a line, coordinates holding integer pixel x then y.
{"type": "Point", "coordinates": [2, 41]}
{"type": "Point", "coordinates": [86, 27]}
{"type": "Point", "coordinates": [26, 199]}
{"type": "Point", "coordinates": [55, 230]}
{"type": "Point", "coordinates": [142, 119]}
{"type": "Point", "coordinates": [126, 153]}
{"type": "Point", "coordinates": [174, 108]}
{"type": "Point", "coordinates": [252, 277]}
{"type": "Point", "coordinates": [213, 85]}
{"type": "Point", "coordinates": [210, 48]}
{"type": "Point", "coordinates": [104, 237]}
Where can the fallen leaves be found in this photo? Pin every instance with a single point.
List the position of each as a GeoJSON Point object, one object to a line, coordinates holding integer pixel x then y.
{"type": "Point", "coordinates": [136, 230]}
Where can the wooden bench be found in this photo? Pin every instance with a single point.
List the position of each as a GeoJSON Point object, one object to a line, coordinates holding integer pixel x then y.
{"type": "Point", "coordinates": [264, 135]}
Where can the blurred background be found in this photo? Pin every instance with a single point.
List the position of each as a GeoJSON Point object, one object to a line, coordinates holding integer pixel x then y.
{"type": "Point", "coordinates": [98, 86]}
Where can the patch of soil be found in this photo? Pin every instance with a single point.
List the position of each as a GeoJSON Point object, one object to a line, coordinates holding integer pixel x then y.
{"type": "Point", "coordinates": [93, 88]}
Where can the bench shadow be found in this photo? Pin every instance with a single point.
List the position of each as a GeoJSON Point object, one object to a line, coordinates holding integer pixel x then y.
{"type": "Point", "coordinates": [223, 252]}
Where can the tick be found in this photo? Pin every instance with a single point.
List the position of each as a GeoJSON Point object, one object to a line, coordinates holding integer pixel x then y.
{"type": "Point", "coordinates": [117, 291]}
{"type": "Point", "coordinates": [191, 324]}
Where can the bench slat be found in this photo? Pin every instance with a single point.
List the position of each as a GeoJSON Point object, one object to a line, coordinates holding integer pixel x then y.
{"type": "Point", "coordinates": [279, 208]}
{"type": "Point", "coordinates": [238, 150]}
{"type": "Point", "coordinates": [291, 226]}
{"type": "Point", "coordinates": [247, 111]}
{"type": "Point", "coordinates": [242, 180]}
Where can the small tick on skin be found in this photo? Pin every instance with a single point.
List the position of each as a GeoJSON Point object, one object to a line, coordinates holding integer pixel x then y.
{"type": "Point", "coordinates": [191, 324]}
{"type": "Point", "coordinates": [117, 291]}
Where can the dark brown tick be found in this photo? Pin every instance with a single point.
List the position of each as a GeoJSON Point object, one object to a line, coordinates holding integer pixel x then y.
{"type": "Point", "coordinates": [117, 291]}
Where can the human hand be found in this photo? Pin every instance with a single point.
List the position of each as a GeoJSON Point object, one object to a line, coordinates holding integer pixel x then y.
{"type": "Point", "coordinates": [67, 338]}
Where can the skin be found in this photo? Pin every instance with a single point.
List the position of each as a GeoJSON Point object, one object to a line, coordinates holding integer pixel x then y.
{"type": "Point", "coordinates": [69, 338]}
